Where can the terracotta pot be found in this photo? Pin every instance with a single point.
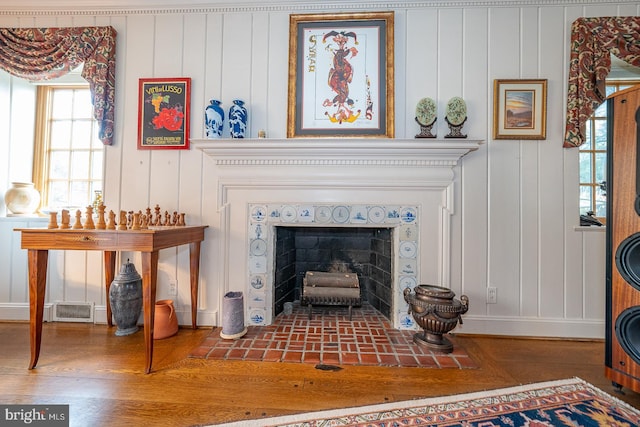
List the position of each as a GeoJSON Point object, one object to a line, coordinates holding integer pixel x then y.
{"type": "Point", "coordinates": [166, 322]}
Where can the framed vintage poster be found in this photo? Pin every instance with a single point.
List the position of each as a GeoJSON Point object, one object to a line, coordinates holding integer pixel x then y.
{"type": "Point", "coordinates": [341, 75]}
{"type": "Point", "coordinates": [163, 113]}
{"type": "Point", "coordinates": [520, 109]}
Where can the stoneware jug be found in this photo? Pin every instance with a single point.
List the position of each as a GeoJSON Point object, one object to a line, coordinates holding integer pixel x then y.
{"type": "Point", "coordinates": [165, 324]}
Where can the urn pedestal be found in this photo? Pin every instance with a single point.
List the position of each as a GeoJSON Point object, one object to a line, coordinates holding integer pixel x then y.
{"type": "Point", "coordinates": [437, 313]}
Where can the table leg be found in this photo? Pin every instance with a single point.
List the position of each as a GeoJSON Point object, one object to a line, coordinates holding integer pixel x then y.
{"type": "Point", "coordinates": [37, 260]}
{"type": "Point", "coordinates": [194, 272]}
{"type": "Point", "coordinates": [109, 274]}
{"type": "Point", "coordinates": [149, 281]}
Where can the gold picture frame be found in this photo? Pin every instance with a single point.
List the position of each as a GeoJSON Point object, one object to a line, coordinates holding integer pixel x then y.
{"type": "Point", "coordinates": [520, 109]}
{"type": "Point", "coordinates": [341, 75]}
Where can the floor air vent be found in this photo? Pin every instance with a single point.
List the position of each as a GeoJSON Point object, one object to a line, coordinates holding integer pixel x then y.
{"type": "Point", "coordinates": [73, 312]}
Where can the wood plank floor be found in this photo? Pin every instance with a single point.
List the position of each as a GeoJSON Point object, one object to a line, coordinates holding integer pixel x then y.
{"type": "Point", "coordinates": [101, 377]}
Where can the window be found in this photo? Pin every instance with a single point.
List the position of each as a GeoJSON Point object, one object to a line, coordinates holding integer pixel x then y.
{"type": "Point", "coordinates": [68, 159]}
{"type": "Point", "coordinates": [593, 157]}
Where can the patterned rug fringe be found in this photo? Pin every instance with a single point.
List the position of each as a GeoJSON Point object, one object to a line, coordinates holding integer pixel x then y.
{"type": "Point", "coordinates": [566, 402]}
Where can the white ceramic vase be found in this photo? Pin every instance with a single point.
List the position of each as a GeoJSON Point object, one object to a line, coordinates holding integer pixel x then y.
{"type": "Point", "coordinates": [22, 198]}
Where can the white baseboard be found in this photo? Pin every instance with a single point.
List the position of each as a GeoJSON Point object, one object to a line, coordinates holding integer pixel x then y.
{"type": "Point", "coordinates": [532, 327]}
{"type": "Point", "coordinates": [20, 311]}
{"type": "Point", "coordinates": [509, 326]}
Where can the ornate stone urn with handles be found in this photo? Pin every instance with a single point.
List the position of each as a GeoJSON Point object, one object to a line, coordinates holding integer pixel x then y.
{"type": "Point", "coordinates": [437, 313]}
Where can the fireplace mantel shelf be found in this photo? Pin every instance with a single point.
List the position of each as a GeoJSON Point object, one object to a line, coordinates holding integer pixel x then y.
{"type": "Point", "coordinates": [380, 152]}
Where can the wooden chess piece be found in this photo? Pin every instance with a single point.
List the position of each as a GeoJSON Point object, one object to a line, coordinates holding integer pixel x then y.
{"type": "Point", "coordinates": [136, 221]}
{"type": "Point", "coordinates": [130, 219]}
{"type": "Point", "coordinates": [167, 218]}
{"type": "Point", "coordinates": [88, 223]}
{"type": "Point", "coordinates": [122, 222]}
{"type": "Point", "coordinates": [101, 225]}
{"type": "Point", "coordinates": [78, 224]}
{"type": "Point", "coordinates": [66, 219]}
{"type": "Point", "coordinates": [158, 218]}
{"type": "Point", "coordinates": [181, 220]}
{"type": "Point", "coordinates": [53, 220]}
{"type": "Point", "coordinates": [111, 224]}
{"type": "Point", "coordinates": [144, 219]}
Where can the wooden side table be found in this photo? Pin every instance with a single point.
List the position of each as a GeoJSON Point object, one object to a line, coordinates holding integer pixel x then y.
{"type": "Point", "coordinates": [148, 242]}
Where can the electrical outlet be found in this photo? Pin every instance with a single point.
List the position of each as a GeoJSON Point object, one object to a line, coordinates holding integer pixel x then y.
{"type": "Point", "coordinates": [492, 295]}
{"type": "Point", "coordinates": [173, 287]}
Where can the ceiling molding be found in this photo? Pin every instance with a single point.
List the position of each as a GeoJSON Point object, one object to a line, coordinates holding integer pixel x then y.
{"type": "Point", "coordinates": [156, 7]}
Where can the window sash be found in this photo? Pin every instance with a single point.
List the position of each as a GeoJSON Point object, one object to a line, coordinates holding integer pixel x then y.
{"type": "Point", "coordinates": [71, 167]}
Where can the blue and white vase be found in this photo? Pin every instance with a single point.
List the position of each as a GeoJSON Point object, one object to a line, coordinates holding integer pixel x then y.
{"type": "Point", "coordinates": [213, 119]}
{"type": "Point", "coordinates": [237, 119]}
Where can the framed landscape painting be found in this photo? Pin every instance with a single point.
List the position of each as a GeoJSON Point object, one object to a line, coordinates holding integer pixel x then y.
{"type": "Point", "coordinates": [520, 109]}
{"type": "Point", "coordinates": [341, 75]}
{"type": "Point", "coordinates": [163, 113]}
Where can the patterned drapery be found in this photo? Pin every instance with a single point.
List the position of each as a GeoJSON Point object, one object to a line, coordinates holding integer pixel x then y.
{"type": "Point", "coordinates": [593, 40]}
{"type": "Point", "coordinates": [45, 53]}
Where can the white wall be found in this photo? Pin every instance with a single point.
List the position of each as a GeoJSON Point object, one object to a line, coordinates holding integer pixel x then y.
{"type": "Point", "coordinates": [516, 212]}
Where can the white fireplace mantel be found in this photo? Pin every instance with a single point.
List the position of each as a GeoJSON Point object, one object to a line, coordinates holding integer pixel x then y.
{"type": "Point", "coordinates": [392, 152]}
{"type": "Point", "coordinates": [254, 186]}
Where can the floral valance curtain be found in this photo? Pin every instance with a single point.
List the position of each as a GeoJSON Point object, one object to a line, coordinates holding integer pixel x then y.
{"type": "Point", "coordinates": [44, 53]}
{"type": "Point", "coordinates": [593, 40]}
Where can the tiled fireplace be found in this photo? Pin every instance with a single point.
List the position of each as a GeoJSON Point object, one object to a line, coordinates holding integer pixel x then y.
{"type": "Point", "coordinates": [400, 192]}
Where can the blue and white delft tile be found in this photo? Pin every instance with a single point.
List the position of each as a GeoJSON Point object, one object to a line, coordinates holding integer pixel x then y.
{"type": "Point", "coordinates": [288, 214]}
{"type": "Point", "coordinates": [408, 232]}
{"type": "Point", "coordinates": [393, 215]}
{"type": "Point", "coordinates": [257, 299]}
{"type": "Point", "coordinates": [408, 249]}
{"type": "Point", "coordinates": [340, 214]}
{"type": "Point", "coordinates": [306, 213]}
{"type": "Point", "coordinates": [257, 316]}
{"type": "Point", "coordinates": [257, 247]}
{"type": "Point", "coordinates": [405, 321]}
{"type": "Point", "coordinates": [258, 213]}
{"type": "Point", "coordinates": [323, 214]}
{"type": "Point", "coordinates": [407, 282]}
{"type": "Point", "coordinates": [359, 215]}
{"type": "Point", "coordinates": [274, 212]}
{"type": "Point", "coordinates": [408, 267]}
{"type": "Point", "coordinates": [376, 214]}
{"type": "Point", "coordinates": [258, 282]}
{"type": "Point", "coordinates": [258, 231]}
{"type": "Point", "coordinates": [409, 215]}
{"type": "Point", "coordinates": [402, 306]}
{"type": "Point", "coordinates": [257, 264]}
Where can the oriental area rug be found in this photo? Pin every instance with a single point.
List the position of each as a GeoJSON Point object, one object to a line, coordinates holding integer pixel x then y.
{"type": "Point", "coordinates": [570, 403]}
{"type": "Point", "coordinates": [329, 339]}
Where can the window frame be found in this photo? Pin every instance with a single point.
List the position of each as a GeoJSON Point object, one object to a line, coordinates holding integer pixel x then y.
{"type": "Point", "coordinates": [619, 84]}
{"type": "Point", "coordinates": [42, 138]}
